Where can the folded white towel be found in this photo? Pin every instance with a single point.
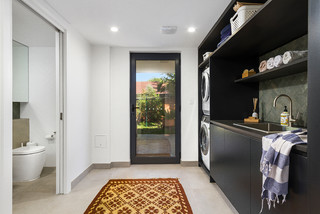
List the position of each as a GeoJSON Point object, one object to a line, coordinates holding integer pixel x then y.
{"type": "Point", "coordinates": [270, 63]}
{"type": "Point", "coordinates": [290, 56]}
{"type": "Point", "coordinates": [278, 61]}
{"type": "Point", "coordinates": [263, 66]}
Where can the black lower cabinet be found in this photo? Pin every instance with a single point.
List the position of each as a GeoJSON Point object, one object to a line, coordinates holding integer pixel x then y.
{"type": "Point", "coordinates": [297, 196]}
{"type": "Point", "coordinates": [235, 166]}
{"type": "Point", "coordinates": [255, 176]}
{"type": "Point", "coordinates": [237, 184]}
{"type": "Point", "coordinates": [217, 156]}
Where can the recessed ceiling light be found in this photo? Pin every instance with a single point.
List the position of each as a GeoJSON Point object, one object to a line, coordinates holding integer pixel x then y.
{"type": "Point", "coordinates": [114, 29]}
{"type": "Point", "coordinates": [191, 29]}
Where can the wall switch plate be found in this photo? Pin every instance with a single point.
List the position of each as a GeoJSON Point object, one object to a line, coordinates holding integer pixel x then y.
{"type": "Point", "coordinates": [100, 141]}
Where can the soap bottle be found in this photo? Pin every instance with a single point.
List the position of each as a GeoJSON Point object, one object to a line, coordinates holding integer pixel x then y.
{"type": "Point", "coordinates": [284, 117]}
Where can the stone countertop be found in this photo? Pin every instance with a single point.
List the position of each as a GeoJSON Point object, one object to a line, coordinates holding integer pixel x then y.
{"type": "Point", "coordinates": [228, 124]}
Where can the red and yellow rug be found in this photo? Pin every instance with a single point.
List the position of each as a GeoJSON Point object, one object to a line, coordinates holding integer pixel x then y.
{"type": "Point", "coordinates": [141, 196]}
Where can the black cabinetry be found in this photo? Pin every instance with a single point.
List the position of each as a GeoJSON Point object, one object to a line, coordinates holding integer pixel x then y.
{"type": "Point", "coordinates": [313, 107]}
{"type": "Point", "coordinates": [230, 166]}
{"type": "Point", "coordinates": [217, 162]}
{"type": "Point", "coordinates": [237, 188]}
{"type": "Point", "coordinates": [297, 196]}
{"type": "Point", "coordinates": [235, 166]}
{"type": "Point", "coordinates": [276, 23]}
{"type": "Point", "coordinates": [255, 176]}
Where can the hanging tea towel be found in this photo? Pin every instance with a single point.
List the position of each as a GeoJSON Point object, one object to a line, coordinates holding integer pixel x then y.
{"type": "Point", "coordinates": [274, 163]}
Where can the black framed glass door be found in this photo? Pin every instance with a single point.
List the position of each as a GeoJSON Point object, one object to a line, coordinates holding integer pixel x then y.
{"type": "Point", "coordinates": [155, 107]}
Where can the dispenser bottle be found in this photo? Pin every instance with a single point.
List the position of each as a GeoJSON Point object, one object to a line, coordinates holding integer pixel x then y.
{"type": "Point", "coordinates": [284, 117]}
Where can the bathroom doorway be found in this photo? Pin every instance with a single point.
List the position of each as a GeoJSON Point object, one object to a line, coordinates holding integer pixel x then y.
{"type": "Point", "coordinates": [37, 105]}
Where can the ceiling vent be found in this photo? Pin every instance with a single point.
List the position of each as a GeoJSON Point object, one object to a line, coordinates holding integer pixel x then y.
{"type": "Point", "coordinates": [169, 29]}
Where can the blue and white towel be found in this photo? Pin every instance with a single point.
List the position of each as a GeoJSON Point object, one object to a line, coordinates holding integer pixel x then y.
{"type": "Point", "coordinates": [274, 163]}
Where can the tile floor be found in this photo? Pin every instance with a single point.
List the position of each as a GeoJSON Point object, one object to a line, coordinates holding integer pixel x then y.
{"type": "Point", "coordinates": [39, 196]}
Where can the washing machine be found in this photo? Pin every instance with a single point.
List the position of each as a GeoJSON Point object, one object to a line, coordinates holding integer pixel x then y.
{"type": "Point", "coordinates": [205, 141]}
{"type": "Point", "coordinates": [205, 91]}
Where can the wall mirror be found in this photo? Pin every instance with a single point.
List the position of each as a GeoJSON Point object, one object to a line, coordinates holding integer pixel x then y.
{"type": "Point", "coordinates": [20, 66]}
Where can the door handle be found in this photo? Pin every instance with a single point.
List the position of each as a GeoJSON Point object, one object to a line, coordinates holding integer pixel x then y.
{"type": "Point", "coordinates": [133, 108]}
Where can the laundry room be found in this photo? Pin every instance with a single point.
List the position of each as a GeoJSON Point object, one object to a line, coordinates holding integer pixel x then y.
{"type": "Point", "coordinates": [198, 106]}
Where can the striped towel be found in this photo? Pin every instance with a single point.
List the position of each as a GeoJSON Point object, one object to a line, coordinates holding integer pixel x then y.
{"type": "Point", "coordinates": [274, 163]}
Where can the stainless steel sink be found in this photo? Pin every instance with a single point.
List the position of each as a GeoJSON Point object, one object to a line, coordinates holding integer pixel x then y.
{"type": "Point", "coordinates": [265, 127]}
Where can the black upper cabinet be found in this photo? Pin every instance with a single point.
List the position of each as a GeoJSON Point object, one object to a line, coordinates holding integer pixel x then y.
{"type": "Point", "coordinates": [276, 23]}
{"type": "Point", "coordinates": [213, 38]}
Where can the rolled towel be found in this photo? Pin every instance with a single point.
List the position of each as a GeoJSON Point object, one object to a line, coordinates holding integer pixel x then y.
{"type": "Point", "coordinates": [263, 66]}
{"type": "Point", "coordinates": [278, 61]}
{"type": "Point", "coordinates": [290, 56]}
{"type": "Point", "coordinates": [270, 63]}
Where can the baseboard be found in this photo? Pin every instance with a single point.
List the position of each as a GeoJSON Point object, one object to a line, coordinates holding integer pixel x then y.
{"type": "Point", "coordinates": [81, 176]}
{"type": "Point", "coordinates": [120, 164]}
{"type": "Point", "coordinates": [98, 166]}
{"type": "Point", "coordinates": [188, 163]}
{"type": "Point", "coordinates": [101, 165]}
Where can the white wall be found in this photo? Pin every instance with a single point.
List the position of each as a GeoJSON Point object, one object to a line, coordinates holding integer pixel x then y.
{"type": "Point", "coordinates": [78, 106]}
{"type": "Point", "coordinates": [41, 108]}
{"type": "Point", "coordinates": [5, 106]}
{"type": "Point", "coordinates": [189, 104]}
{"type": "Point", "coordinates": [119, 103]}
{"type": "Point", "coordinates": [100, 103]}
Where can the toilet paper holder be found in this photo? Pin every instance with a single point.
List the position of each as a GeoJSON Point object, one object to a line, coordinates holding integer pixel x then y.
{"type": "Point", "coordinates": [50, 136]}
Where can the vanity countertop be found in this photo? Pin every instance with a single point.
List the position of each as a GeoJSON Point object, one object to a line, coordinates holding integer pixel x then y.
{"type": "Point", "coordinates": [257, 135]}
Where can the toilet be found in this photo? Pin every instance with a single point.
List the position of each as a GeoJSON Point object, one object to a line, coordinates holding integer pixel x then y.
{"type": "Point", "coordinates": [28, 162]}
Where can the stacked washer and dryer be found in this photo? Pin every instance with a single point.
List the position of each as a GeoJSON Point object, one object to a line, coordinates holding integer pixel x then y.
{"type": "Point", "coordinates": [205, 121]}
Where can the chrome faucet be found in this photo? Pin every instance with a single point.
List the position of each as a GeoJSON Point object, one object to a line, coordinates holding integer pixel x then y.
{"type": "Point", "coordinates": [290, 107]}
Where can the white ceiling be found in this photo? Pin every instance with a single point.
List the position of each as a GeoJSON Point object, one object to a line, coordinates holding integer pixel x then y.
{"type": "Point", "coordinates": [139, 21]}
{"type": "Point", "coordinates": [29, 29]}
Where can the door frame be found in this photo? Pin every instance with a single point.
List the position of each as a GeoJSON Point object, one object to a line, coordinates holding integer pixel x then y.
{"type": "Point", "coordinates": [154, 56]}
{"type": "Point", "coordinates": [61, 98]}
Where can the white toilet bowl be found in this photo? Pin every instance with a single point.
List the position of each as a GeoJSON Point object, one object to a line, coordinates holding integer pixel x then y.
{"type": "Point", "coordinates": [28, 163]}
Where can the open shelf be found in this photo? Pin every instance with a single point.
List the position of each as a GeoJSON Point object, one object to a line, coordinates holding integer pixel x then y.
{"type": "Point", "coordinates": [205, 62]}
{"type": "Point", "coordinates": [275, 24]}
{"type": "Point", "coordinates": [213, 37]}
{"type": "Point", "coordinates": [297, 66]}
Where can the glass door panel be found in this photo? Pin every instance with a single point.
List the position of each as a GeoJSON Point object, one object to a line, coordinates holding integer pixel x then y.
{"type": "Point", "coordinates": [155, 108]}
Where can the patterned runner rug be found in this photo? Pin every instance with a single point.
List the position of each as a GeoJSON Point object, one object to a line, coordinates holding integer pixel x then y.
{"type": "Point", "coordinates": [141, 196]}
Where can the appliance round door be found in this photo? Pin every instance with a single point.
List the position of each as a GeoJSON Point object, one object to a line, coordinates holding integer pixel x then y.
{"type": "Point", "coordinates": [204, 143]}
{"type": "Point", "coordinates": [205, 87]}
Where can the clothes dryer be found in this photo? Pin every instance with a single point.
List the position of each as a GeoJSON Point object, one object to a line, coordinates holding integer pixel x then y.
{"type": "Point", "coordinates": [205, 91]}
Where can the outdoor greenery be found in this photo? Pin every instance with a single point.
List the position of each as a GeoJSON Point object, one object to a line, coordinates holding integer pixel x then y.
{"type": "Point", "coordinates": [150, 107]}
{"type": "Point", "coordinates": [151, 112]}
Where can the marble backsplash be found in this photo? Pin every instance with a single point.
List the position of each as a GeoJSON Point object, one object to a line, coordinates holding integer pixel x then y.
{"type": "Point", "coordinates": [295, 86]}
